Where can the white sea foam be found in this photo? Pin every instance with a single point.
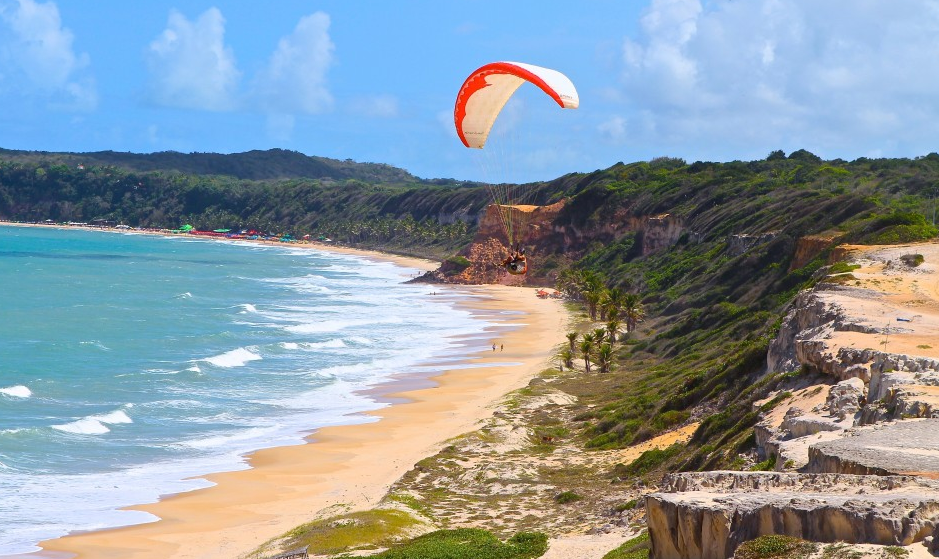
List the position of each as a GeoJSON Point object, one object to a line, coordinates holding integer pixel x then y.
{"type": "Point", "coordinates": [113, 418]}
{"type": "Point", "coordinates": [290, 345]}
{"type": "Point", "coordinates": [234, 358]}
{"type": "Point", "coordinates": [18, 391]}
{"type": "Point", "coordinates": [84, 426]}
{"type": "Point", "coordinates": [95, 424]}
{"type": "Point", "coordinates": [248, 307]}
{"type": "Point", "coordinates": [186, 295]}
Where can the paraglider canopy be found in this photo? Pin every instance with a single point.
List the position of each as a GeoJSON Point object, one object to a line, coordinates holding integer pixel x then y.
{"type": "Point", "coordinates": [487, 90]}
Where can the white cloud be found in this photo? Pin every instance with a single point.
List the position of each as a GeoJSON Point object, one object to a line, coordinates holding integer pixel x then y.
{"type": "Point", "coordinates": [294, 80]}
{"type": "Point", "coordinates": [840, 76]}
{"type": "Point", "coordinates": [613, 129]}
{"type": "Point", "coordinates": [382, 106]}
{"type": "Point", "coordinates": [190, 65]}
{"type": "Point", "coordinates": [36, 53]}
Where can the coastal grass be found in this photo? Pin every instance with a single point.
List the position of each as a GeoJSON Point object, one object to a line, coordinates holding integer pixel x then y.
{"type": "Point", "coordinates": [775, 546]}
{"type": "Point", "coordinates": [635, 548]}
{"type": "Point", "coordinates": [364, 530]}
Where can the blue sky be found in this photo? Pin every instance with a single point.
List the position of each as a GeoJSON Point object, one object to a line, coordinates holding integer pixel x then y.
{"type": "Point", "coordinates": [375, 81]}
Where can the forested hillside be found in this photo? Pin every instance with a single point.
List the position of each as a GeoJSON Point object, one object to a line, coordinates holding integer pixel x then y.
{"type": "Point", "coordinates": [714, 251]}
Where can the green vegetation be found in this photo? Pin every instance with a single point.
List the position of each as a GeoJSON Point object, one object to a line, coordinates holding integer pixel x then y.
{"type": "Point", "coordinates": [648, 461]}
{"type": "Point", "coordinates": [567, 497]}
{"type": "Point", "coordinates": [469, 543]}
{"type": "Point", "coordinates": [765, 547]}
{"type": "Point", "coordinates": [766, 465]}
{"type": "Point", "coordinates": [635, 548]}
{"type": "Point", "coordinates": [359, 530]}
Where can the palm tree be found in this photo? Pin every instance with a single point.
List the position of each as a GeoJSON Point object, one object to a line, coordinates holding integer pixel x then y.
{"type": "Point", "coordinates": [593, 299]}
{"type": "Point", "coordinates": [612, 329]}
{"type": "Point", "coordinates": [572, 339]}
{"type": "Point", "coordinates": [586, 347]}
{"type": "Point", "coordinates": [605, 358]}
{"type": "Point", "coordinates": [599, 334]}
{"type": "Point", "coordinates": [567, 357]}
{"type": "Point", "coordinates": [613, 303]}
{"type": "Point", "coordinates": [633, 311]}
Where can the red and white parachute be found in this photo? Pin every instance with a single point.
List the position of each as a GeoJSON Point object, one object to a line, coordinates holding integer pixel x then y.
{"type": "Point", "coordinates": [478, 103]}
{"type": "Point", "coordinates": [487, 90]}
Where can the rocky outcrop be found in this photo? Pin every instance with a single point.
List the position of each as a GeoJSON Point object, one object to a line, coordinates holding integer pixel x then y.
{"type": "Point", "coordinates": [902, 447]}
{"type": "Point", "coordinates": [809, 316]}
{"type": "Point", "coordinates": [867, 455]}
{"type": "Point", "coordinates": [846, 398]}
{"type": "Point", "coordinates": [707, 515]}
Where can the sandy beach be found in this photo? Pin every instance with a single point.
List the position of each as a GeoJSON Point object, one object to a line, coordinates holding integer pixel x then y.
{"type": "Point", "coordinates": [344, 467]}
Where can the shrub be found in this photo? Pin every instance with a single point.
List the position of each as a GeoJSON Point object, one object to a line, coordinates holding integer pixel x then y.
{"type": "Point", "coordinates": [567, 497]}
{"type": "Point", "coordinates": [774, 546]}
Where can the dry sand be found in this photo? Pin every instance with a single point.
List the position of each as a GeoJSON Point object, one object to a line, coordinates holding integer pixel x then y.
{"type": "Point", "coordinates": [344, 467]}
{"type": "Point", "coordinates": [899, 301]}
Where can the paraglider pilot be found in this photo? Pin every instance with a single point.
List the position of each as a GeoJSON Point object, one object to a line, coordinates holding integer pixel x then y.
{"type": "Point", "coordinates": [516, 264]}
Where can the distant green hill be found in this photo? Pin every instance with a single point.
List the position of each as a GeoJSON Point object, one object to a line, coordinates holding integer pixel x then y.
{"type": "Point", "coordinates": [250, 165]}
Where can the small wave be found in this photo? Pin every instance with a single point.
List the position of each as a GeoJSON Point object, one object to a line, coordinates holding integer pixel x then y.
{"type": "Point", "coordinates": [96, 344]}
{"type": "Point", "coordinates": [186, 295]}
{"type": "Point", "coordinates": [234, 358]}
{"type": "Point", "coordinates": [86, 426]}
{"type": "Point", "coordinates": [194, 369]}
{"type": "Point", "coordinates": [18, 391]}
{"type": "Point", "coordinates": [95, 424]}
{"type": "Point", "coordinates": [248, 307]}
{"type": "Point", "coordinates": [290, 345]}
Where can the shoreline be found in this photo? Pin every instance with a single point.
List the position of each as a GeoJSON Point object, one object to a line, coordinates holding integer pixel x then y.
{"type": "Point", "coordinates": [347, 467]}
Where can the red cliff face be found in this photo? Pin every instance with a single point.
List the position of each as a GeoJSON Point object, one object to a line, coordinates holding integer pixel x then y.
{"type": "Point", "coordinates": [810, 246]}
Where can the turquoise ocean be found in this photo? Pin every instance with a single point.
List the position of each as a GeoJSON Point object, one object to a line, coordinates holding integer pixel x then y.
{"type": "Point", "coordinates": [132, 364]}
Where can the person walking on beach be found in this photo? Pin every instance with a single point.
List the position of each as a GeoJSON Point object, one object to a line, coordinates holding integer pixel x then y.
{"type": "Point", "coordinates": [493, 347]}
{"type": "Point", "coordinates": [501, 347]}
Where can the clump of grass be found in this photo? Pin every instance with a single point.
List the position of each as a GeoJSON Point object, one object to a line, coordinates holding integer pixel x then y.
{"type": "Point", "coordinates": [774, 545]}
{"type": "Point", "coordinates": [469, 543]}
{"type": "Point", "coordinates": [567, 497]}
{"type": "Point", "coordinates": [636, 548]}
{"type": "Point", "coordinates": [766, 465]}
